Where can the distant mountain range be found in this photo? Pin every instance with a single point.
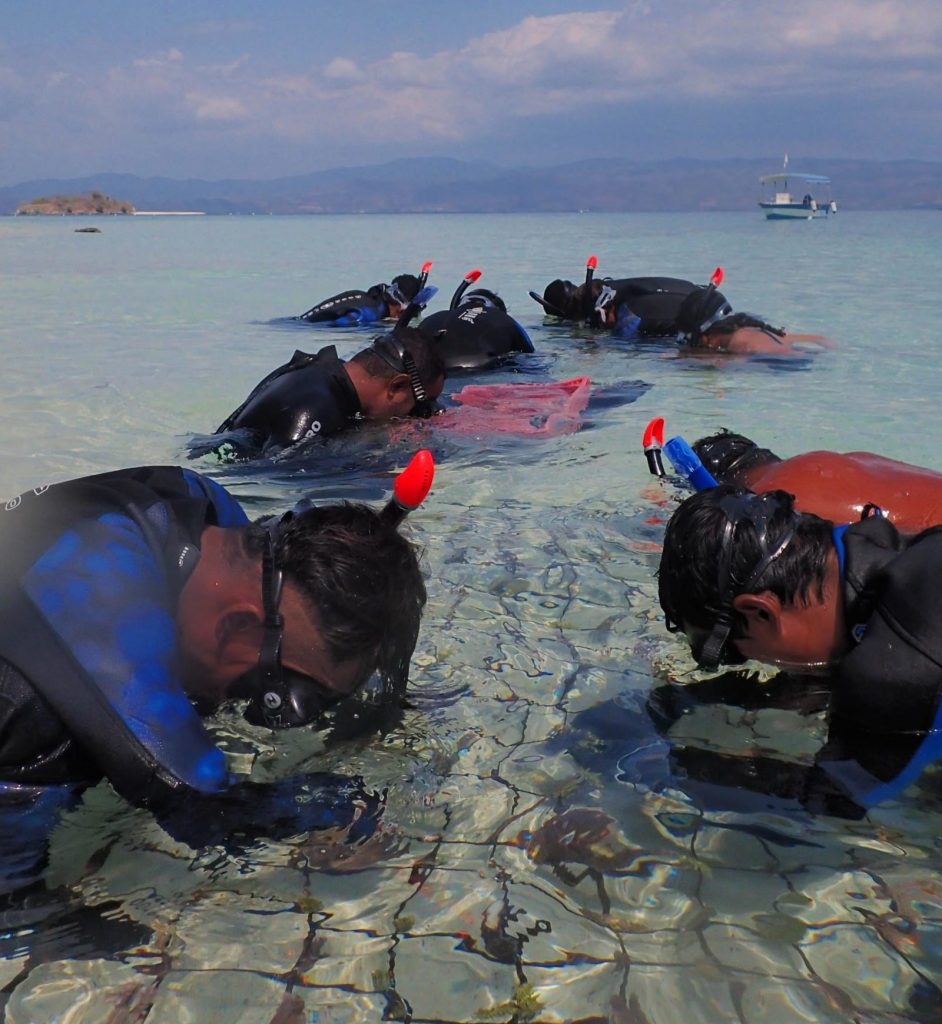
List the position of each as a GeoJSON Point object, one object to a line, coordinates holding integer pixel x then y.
{"type": "Point", "coordinates": [419, 185]}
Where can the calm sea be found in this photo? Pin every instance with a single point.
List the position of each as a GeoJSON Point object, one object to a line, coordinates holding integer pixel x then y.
{"type": "Point", "coordinates": [541, 856]}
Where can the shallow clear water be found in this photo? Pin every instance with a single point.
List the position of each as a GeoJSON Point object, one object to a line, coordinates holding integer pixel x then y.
{"type": "Point", "coordinates": [530, 865]}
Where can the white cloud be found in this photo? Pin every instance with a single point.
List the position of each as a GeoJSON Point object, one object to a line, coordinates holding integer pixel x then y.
{"type": "Point", "coordinates": [631, 57]}
{"type": "Point", "coordinates": [216, 108]}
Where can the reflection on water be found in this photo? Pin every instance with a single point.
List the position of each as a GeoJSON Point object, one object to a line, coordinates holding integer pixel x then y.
{"type": "Point", "coordinates": [562, 837]}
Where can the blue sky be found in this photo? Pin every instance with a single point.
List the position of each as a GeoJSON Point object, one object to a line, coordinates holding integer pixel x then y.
{"type": "Point", "coordinates": [250, 89]}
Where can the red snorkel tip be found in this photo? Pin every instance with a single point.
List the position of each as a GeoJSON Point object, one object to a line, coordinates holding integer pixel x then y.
{"type": "Point", "coordinates": [411, 487]}
{"type": "Point", "coordinates": [472, 276]}
{"type": "Point", "coordinates": [716, 278]}
{"type": "Point", "coordinates": [426, 266]}
{"type": "Point", "coordinates": [654, 432]}
{"type": "Point", "coordinates": [592, 261]}
{"type": "Point", "coordinates": [653, 440]}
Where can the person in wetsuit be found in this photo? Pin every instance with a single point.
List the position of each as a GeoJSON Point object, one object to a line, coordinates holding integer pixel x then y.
{"type": "Point", "coordinates": [747, 576]}
{"type": "Point", "coordinates": [476, 332]}
{"type": "Point", "coordinates": [834, 485]}
{"type": "Point", "coordinates": [136, 602]}
{"type": "Point", "coordinates": [379, 302]}
{"type": "Point", "coordinates": [316, 395]}
{"type": "Point", "coordinates": [632, 307]}
{"type": "Point", "coordinates": [697, 316]}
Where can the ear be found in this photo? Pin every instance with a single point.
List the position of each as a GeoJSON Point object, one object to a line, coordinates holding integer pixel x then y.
{"type": "Point", "coordinates": [396, 385]}
{"type": "Point", "coordinates": [238, 637]}
{"type": "Point", "coordinates": [762, 613]}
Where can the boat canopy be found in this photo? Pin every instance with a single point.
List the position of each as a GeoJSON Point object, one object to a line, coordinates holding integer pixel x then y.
{"type": "Point", "coordinates": [818, 179]}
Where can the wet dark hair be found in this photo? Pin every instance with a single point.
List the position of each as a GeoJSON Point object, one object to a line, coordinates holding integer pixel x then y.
{"type": "Point", "coordinates": [408, 284]}
{"type": "Point", "coordinates": [360, 577]}
{"type": "Point", "coordinates": [565, 297]}
{"type": "Point", "coordinates": [729, 456]}
{"type": "Point", "coordinates": [690, 576]}
{"type": "Point", "coordinates": [428, 359]}
{"type": "Point", "coordinates": [732, 323]}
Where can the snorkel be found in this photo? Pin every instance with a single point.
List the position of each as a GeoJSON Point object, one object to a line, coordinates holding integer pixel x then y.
{"type": "Point", "coordinates": [547, 306]}
{"type": "Point", "coordinates": [423, 273]}
{"type": "Point", "coordinates": [682, 457]}
{"type": "Point", "coordinates": [588, 305]}
{"type": "Point", "coordinates": [469, 279]}
{"type": "Point", "coordinates": [422, 298]}
{"type": "Point", "coordinates": [410, 489]}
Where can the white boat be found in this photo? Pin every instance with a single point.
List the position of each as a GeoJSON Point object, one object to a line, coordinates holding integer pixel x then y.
{"type": "Point", "coordinates": [782, 205]}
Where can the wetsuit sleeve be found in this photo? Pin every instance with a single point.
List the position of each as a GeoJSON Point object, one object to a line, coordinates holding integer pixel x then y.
{"type": "Point", "coordinates": [353, 307]}
{"type": "Point", "coordinates": [110, 673]}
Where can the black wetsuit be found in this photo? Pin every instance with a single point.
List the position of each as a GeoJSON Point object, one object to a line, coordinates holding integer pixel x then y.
{"type": "Point", "coordinates": [886, 698]}
{"type": "Point", "coordinates": [647, 307]}
{"type": "Point", "coordinates": [90, 576]}
{"type": "Point", "coordinates": [310, 396]}
{"type": "Point", "coordinates": [475, 337]}
{"type": "Point", "coordinates": [351, 307]}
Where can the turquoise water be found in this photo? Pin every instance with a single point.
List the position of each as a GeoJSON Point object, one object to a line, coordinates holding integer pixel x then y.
{"type": "Point", "coordinates": [528, 867]}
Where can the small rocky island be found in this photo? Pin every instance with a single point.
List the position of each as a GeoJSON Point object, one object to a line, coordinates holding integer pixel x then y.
{"type": "Point", "coordinates": [86, 203]}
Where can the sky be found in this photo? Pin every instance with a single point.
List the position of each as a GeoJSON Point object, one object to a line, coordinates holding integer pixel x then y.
{"type": "Point", "coordinates": [249, 89]}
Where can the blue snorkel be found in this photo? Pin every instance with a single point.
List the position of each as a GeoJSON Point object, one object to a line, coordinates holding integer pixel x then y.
{"type": "Point", "coordinates": [687, 464]}
{"type": "Point", "coordinates": [682, 457]}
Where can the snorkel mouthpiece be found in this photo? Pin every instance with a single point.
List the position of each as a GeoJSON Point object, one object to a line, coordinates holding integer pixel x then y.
{"type": "Point", "coordinates": [653, 441]}
{"type": "Point", "coordinates": [411, 488]}
{"type": "Point", "coordinates": [688, 465]}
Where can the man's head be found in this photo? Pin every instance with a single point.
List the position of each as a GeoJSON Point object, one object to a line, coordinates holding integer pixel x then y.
{"type": "Point", "coordinates": [746, 576]}
{"type": "Point", "coordinates": [400, 292]}
{"type": "Point", "coordinates": [564, 299]}
{"type": "Point", "coordinates": [730, 457]}
{"type": "Point", "coordinates": [400, 374]}
{"type": "Point", "coordinates": [699, 311]}
{"type": "Point", "coordinates": [296, 614]}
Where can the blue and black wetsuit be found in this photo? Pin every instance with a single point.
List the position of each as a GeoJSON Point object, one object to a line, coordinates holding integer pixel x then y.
{"type": "Point", "coordinates": [309, 396]}
{"type": "Point", "coordinates": [92, 571]}
{"type": "Point", "coordinates": [350, 308]}
{"type": "Point", "coordinates": [475, 337]}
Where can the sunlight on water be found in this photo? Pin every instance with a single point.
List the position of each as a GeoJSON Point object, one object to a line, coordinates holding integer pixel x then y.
{"type": "Point", "coordinates": [545, 852]}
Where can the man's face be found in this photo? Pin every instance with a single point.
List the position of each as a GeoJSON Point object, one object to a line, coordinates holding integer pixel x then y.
{"type": "Point", "coordinates": [304, 650]}
{"type": "Point", "coordinates": [809, 634]}
{"type": "Point", "coordinates": [397, 399]}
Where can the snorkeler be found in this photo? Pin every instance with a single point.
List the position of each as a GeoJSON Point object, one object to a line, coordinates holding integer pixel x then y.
{"type": "Point", "coordinates": [697, 316]}
{"type": "Point", "coordinates": [833, 485]}
{"type": "Point", "coordinates": [475, 332]}
{"type": "Point", "coordinates": [379, 302]}
{"type": "Point", "coordinates": [747, 576]}
{"type": "Point", "coordinates": [137, 601]}
{"type": "Point", "coordinates": [400, 374]}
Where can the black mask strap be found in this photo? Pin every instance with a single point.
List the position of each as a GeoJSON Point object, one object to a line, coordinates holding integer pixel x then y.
{"type": "Point", "coordinates": [391, 350]}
